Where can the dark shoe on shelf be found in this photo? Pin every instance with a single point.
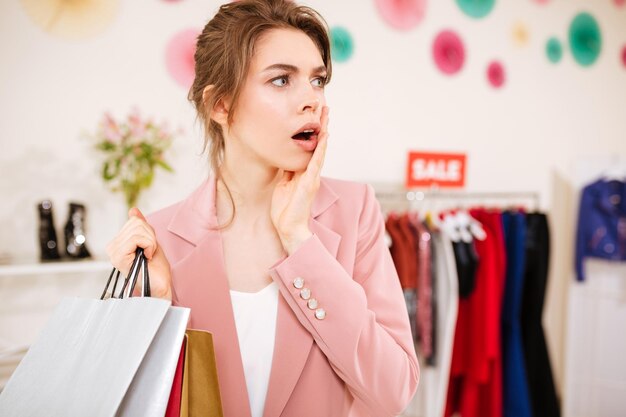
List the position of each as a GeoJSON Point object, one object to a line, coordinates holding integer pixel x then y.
{"type": "Point", "coordinates": [75, 240]}
{"type": "Point", "coordinates": [48, 246]}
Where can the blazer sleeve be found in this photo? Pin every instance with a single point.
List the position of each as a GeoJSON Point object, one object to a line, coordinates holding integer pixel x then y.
{"type": "Point", "coordinates": [366, 334]}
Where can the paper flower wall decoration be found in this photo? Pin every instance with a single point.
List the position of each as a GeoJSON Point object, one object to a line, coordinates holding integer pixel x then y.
{"type": "Point", "coordinates": [448, 52]}
{"type": "Point", "coordinates": [554, 50]}
{"type": "Point", "coordinates": [179, 57]}
{"type": "Point", "coordinates": [341, 44]}
{"type": "Point", "coordinates": [402, 14]}
{"type": "Point", "coordinates": [585, 39]}
{"type": "Point", "coordinates": [71, 19]}
{"type": "Point", "coordinates": [520, 34]}
{"type": "Point", "coordinates": [496, 74]}
{"type": "Point", "coordinates": [476, 8]}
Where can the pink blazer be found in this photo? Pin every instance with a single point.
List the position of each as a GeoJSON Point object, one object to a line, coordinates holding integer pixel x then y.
{"type": "Point", "coordinates": [358, 361]}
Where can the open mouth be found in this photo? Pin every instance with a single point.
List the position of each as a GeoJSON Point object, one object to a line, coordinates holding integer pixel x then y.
{"type": "Point", "coordinates": [304, 135]}
{"type": "Point", "coordinates": [307, 132]}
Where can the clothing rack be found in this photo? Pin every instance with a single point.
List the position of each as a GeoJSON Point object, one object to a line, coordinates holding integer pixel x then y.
{"type": "Point", "coordinates": [417, 196]}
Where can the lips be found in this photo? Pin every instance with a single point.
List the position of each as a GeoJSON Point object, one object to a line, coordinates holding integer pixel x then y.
{"type": "Point", "coordinates": [307, 132]}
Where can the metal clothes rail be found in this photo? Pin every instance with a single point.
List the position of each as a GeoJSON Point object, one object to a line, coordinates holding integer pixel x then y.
{"type": "Point", "coordinates": [416, 197]}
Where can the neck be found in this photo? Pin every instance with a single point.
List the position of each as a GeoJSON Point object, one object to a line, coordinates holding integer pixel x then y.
{"type": "Point", "coordinates": [251, 188]}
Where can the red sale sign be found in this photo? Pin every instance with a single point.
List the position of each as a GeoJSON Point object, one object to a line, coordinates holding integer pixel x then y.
{"type": "Point", "coordinates": [445, 170]}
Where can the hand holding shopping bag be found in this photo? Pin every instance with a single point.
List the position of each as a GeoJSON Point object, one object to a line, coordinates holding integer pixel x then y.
{"type": "Point", "coordinates": [138, 233]}
{"type": "Point", "coordinates": [113, 357]}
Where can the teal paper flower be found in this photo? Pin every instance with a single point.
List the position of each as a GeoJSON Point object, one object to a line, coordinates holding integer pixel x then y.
{"type": "Point", "coordinates": [341, 44]}
{"type": "Point", "coordinates": [476, 8]}
{"type": "Point", "coordinates": [585, 39]}
{"type": "Point", "coordinates": [554, 50]}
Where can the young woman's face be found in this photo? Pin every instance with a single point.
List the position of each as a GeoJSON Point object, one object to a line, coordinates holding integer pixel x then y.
{"type": "Point", "coordinates": [282, 93]}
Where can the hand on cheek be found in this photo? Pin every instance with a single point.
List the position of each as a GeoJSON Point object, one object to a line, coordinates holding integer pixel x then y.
{"type": "Point", "coordinates": [294, 194]}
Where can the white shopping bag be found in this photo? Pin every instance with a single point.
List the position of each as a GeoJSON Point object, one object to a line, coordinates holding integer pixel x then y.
{"type": "Point", "coordinates": [150, 390]}
{"type": "Point", "coordinates": [114, 357]}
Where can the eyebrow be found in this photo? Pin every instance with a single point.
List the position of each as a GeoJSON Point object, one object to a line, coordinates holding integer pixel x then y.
{"type": "Point", "coordinates": [293, 68]}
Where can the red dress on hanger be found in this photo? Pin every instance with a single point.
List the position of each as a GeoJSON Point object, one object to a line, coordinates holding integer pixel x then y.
{"type": "Point", "coordinates": [475, 388]}
{"type": "Point", "coordinates": [402, 252]}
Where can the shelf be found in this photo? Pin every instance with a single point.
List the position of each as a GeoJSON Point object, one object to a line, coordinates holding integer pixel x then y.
{"type": "Point", "coordinates": [31, 267]}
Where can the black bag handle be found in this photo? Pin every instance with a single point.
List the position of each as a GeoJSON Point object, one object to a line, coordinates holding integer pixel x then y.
{"type": "Point", "coordinates": [139, 262]}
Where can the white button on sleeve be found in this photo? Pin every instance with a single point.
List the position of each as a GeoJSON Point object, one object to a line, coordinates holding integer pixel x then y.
{"type": "Point", "coordinates": [305, 293]}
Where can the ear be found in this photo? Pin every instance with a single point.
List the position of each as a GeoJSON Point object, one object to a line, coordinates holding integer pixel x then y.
{"type": "Point", "coordinates": [219, 112]}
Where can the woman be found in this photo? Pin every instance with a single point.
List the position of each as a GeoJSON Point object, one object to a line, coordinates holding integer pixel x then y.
{"type": "Point", "coordinates": [287, 269]}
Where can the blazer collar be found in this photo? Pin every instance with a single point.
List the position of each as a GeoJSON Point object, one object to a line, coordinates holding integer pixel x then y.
{"type": "Point", "coordinates": [197, 215]}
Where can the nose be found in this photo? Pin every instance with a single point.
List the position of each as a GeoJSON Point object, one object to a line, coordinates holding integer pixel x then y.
{"type": "Point", "coordinates": [310, 102]}
{"type": "Point", "coordinates": [310, 105]}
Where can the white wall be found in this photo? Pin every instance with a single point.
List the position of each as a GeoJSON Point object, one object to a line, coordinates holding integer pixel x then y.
{"type": "Point", "coordinates": [594, 379]}
{"type": "Point", "coordinates": [387, 99]}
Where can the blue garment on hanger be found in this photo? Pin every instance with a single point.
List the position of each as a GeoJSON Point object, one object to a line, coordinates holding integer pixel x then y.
{"type": "Point", "coordinates": [601, 231]}
{"type": "Point", "coordinates": [516, 396]}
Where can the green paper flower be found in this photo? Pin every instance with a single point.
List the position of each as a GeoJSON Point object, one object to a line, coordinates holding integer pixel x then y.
{"type": "Point", "coordinates": [585, 39]}
{"type": "Point", "coordinates": [554, 50]}
{"type": "Point", "coordinates": [341, 44]}
{"type": "Point", "coordinates": [476, 8]}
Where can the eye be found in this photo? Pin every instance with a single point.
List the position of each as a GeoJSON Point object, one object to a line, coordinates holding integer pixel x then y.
{"type": "Point", "coordinates": [319, 81]}
{"type": "Point", "coordinates": [281, 81]}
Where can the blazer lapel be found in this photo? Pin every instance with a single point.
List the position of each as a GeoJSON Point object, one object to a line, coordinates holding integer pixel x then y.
{"type": "Point", "coordinates": [200, 282]}
{"type": "Point", "coordinates": [293, 341]}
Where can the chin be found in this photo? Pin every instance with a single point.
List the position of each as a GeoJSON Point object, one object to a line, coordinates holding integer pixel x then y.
{"type": "Point", "coordinates": [294, 166]}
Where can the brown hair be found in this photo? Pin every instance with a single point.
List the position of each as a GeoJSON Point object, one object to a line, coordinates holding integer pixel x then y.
{"type": "Point", "coordinates": [225, 48]}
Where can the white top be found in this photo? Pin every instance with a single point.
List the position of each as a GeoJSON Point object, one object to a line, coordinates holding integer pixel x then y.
{"type": "Point", "coordinates": [255, 318]}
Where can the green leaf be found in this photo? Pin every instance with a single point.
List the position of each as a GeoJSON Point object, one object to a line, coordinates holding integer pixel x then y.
{"type": "Point", "coordinates": [105, 172]}
{"type": "Point", "coordinates": [164, 165]}
{"type": "Point", "coordinates": [105, 146]}
{"type": "Point", "coordinates": [110, 169]}
{"type": "Point", "coordinates": [147, 179]}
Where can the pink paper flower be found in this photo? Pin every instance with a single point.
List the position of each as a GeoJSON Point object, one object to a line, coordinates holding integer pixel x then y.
{"type": "Point", "coordinates": [448, 52]}
{"type": "Point", "coordinates": [496, 74]}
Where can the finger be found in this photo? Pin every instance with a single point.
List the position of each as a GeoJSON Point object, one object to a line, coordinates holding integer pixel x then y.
{"type": "Point", "coordinates": [135, 227]}
{"type": "Point", "coordinates": [133, 220]}
{"type": "Point", "coordinates": [324, 137]}
{"type": "Point", "coordinates": [147, 231]}
{"type": "Point", "coordinates": [314, 168]}
{"type": "Point", "coordinates": [122, 257]}
{"type": "Point", "coordinates": [324, 119]}
{"type": "Point", "coordinates": [129, 247]}
{"type": "Point", "coordinates": [137, 213]}
{"type": "Point", "coordinates": [136, 217]}
{"type": "Point", "coordinates": [144, 229]}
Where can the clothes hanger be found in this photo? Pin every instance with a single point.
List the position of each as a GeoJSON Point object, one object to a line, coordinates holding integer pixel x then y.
{"type": "Point", "coordinates": [474, 226]}
{"type": "Point", "coordinates": [462, 220]}
{"type": "Point", "coordinates": [448, 225]}
{"type": "Point", "coordinates": [616, 171]}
